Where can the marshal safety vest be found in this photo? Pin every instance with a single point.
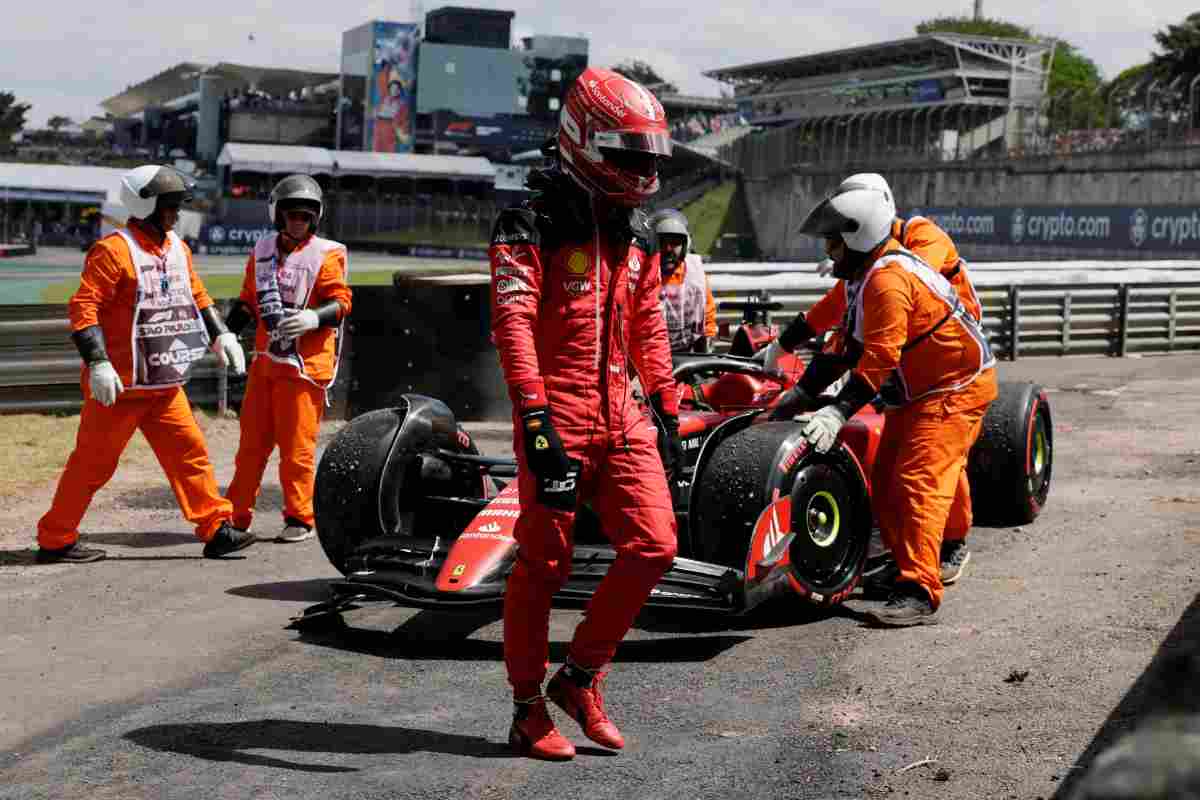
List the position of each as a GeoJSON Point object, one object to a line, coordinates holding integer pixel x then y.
{"type": "Point", "coordinates": [288, 286]}
{"type": "Point", "coordinates": [168, 335]}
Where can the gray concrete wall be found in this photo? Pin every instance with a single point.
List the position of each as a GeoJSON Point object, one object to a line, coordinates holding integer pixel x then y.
{"type": "Point", "coordinates": [1165, 177]}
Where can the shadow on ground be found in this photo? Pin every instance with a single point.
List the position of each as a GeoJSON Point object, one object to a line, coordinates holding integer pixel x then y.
{"type": "Point", "coordinates": [783, 612]}
{"type": "Point", "coordinates": [440, 635]}
{"type": "Point", "coordinates": [139, 539]}
{"type": "Point", "coordinates": [229, 741]}
{"type": "Point", "coordinates": [28, 558]}
{"type": "Point", "coordinates": [313, 590]}
{"type": "Point", "coordinates": [157, 498]}
{"type": "Point", "coordinates": [1169, 689]}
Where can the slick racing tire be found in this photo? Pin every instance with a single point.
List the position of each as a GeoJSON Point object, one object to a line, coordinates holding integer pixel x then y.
{"type": "Point", "coordinates": [377, 470]}
{"type": "Point", "coordinates": [732, 491]}
{"type": "Point", "coordinates": [831, 516]}
{"type": "Point", "coordinates": [1011, 464]}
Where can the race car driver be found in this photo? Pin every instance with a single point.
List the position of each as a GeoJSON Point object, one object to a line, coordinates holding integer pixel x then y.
{"type": "Point", "coordinates": [910, 340]}
{"type": "Point", "coordinates": [295, 288]}
{"type": "Point", "coordinates": [140, 318]}
{"type": "Point", "coordinates": [934, 246]}
{"type": "Point", "coordinates": [688, 306]}
{"type": "Point", "coordinates": [574, 304]}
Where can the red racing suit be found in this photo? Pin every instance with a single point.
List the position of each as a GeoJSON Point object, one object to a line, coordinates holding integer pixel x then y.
{"type": "Point", "coordinates": [574, 303]}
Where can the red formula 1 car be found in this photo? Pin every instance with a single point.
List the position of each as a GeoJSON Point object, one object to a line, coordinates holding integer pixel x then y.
{"type": "Point", "coordinates": [410, 512]}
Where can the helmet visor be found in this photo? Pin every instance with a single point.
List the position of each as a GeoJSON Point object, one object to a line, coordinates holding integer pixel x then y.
{"type": "Point", "coordinates": [296, 187]}
{"type": "Point", "coordinates": [671, 226]}
{"type": "Point", "coordinates": [657, 143]}
{"type": "Point", "coordinates": [312, 207]}
{"type": "Point", "coordinates": [168, 181]}
{"type": "Point", "coordinates": [827, 221]}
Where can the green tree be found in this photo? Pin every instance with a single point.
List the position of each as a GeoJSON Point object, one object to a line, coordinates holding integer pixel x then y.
{"type": "Point", "coordinates": [1075, 89]}
{"type": "Point", "coordinates": [56, 122]}
{"type": "Point", "coordinates": [12, 117]}
{"type": "Point", "coordinates": [975, 27]}
{"type": "Point", "coordinates": [646, 75]}
{"type": "Point", "coordinates": [1126, 93]}
{"type": "Point", "coordinates": [1168, 73]}
{"type": "Point", "coordinates": [1180, 45]}
{"type": "Point", "coordinates": [1174, 68]}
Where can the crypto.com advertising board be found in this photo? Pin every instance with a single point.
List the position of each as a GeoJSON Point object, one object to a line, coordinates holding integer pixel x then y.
{"type": "Point", "coordinates": [1150, 228]}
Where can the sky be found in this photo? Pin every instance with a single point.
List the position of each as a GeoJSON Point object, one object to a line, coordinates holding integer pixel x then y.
{"type": "Point", "coordinates": [66, 62]}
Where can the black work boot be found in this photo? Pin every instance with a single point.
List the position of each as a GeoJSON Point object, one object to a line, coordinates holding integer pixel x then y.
{"type": "Point", "coordinates": [226, 540]}
{"type": "Point", "coordinates": [954, 559]}
{"type": "Point", "coordinates": [74, 553]}
{"type": "Point", "coordinates": [880, 584]}
{"type": "Point", "coordinates": [908, 605]}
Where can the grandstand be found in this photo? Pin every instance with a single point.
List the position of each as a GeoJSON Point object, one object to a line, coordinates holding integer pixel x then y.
{"type": "Point", "coordinates": [692, 117]}
{"type": "Point", "coordinates": [954, 95]}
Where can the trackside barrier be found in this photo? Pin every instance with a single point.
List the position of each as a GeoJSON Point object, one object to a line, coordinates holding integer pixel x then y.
{"type": "Point", "coordinates": [1082, 319]}
{"type": "Point", "coordinates": [432, 334]}
{"type": "Point", "coordinates": [40, 367]}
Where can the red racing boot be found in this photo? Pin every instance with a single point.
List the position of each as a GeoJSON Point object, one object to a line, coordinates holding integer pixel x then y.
{"type": "Point", "coordinates": [577, 691]}
{"type": "Point", "coordinates": [533, 733]}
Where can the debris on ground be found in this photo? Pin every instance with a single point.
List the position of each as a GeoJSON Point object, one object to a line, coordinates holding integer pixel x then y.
{"type": "Point", "coordinates": [916, 764]}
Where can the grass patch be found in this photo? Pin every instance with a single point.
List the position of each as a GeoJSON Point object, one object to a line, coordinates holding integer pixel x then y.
{"type": "Point", "coordinates": [442, 236]}
{"type": "Point", "coordinates": [36, 450]}
{"type": "Point", "coordinates": [706, 215]}
{"type": "Point", "coordinates": [220, 287]}
{"type": "Point", "coordinates": [38, 445]}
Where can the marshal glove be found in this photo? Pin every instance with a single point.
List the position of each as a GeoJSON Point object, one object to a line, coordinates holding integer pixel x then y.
{"type": "Point", "coordinates": [822, 428]}
{"type": "Point", "coordinates": [104, 383]}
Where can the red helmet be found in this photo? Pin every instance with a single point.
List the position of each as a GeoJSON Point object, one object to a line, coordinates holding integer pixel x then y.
{"type": "Point", "coordinates": [611, 134]}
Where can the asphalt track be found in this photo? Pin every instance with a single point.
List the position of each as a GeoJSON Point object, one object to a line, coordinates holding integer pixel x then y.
{"type": "Point", "coordinates": [159, 675]}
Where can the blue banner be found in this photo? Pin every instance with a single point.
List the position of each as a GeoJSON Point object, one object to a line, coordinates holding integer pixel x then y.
{"type": "Point", "coordinates": [929, 91]}
{"type": "Point", "coordinates": [516, 132]}
{"type": "Point", "coordinates": [220, 239]}
{"type": "Point", "coordinates": [1146, 228]}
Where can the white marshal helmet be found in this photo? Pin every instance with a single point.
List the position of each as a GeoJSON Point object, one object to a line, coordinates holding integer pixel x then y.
{"type": "Point", "coordinates": [860, 211]}
{"type": "Point", "coordinates": [296, 190]}
{"type": "Point", "coordinates": [141, 187]}
{"type": "Point", "coordinates": [668, 221]}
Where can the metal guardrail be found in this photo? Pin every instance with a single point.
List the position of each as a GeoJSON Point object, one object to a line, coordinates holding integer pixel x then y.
{"type": "Point", "coordinates": [1060, 320]}
{"type": "Point", "coordinates": [40, 369]}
